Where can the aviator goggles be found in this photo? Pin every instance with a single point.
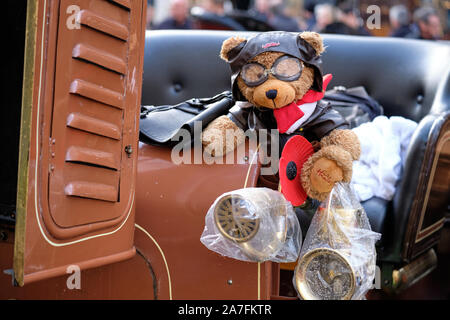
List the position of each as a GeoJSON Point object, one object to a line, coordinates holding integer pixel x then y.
{"type": "Point", "coordinates": [285, 68]}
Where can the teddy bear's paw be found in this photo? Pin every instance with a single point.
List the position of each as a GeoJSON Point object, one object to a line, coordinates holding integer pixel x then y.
{"type": "Point", "coordinates": [324, 174]}
{"type": "Point", "coordinates": [221, 136]}
{"type": "Point", "coordinates": [323, 169]}
{"type": "Point", "coordinates": [344, 138]}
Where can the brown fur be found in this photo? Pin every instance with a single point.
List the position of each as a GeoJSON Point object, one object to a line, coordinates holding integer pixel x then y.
{"type": "Point", "coordinates": [340, 146]}
{"type": "Point", "coordinates": [315, 40]}
{"type": "Point", "coordinates": [288, 91]}
{"type": "Point", "coordinates": [229, 44]}
{"type": "Point", "coordinates": [218, 129]}
{"type": "Point", "coordinates": [345, 139]}
{"type": "Point", "coordinates": [343, 160]}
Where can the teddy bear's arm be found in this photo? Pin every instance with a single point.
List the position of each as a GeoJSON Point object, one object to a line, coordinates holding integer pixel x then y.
{"type": "Point", "coordinates": [239, 120]}
{"type": "Point", "coordinates": [346, 139]}
{"type": "Point", "coordinates": [323, 169]}
{"type": "Point", "coordinates": [331, 164]}
{"type": "Point", "coordinates": [221, 136]}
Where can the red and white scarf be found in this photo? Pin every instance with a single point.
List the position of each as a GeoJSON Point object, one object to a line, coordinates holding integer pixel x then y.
{"type": "Point", "coordinates": [289, 118]}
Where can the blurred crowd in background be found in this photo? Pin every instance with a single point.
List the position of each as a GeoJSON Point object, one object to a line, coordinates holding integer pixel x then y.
{"type": "Point", "coordinates": [418, 19]}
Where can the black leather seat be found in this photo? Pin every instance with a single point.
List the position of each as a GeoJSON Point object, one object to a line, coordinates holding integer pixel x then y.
{"type": "Point", "coordinates": [409, 78]}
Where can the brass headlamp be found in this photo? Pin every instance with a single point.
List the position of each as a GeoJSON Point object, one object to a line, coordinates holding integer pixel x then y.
{"type": "Point", "coordinates": [256, 219]}
{"type": "Point", "coordinates": [338, 258]}
{"type": "Point", "coordinates": [326, 273]}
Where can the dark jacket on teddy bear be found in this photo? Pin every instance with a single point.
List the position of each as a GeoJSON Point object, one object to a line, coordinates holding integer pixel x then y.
{"type": "Point", "coordinates": [323, 120]}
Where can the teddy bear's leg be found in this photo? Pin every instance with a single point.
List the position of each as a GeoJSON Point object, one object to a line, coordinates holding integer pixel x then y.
{"type": "Point", "coordinates": [222, 136]}
{"type": "Point", "coordinates": [323, 169]}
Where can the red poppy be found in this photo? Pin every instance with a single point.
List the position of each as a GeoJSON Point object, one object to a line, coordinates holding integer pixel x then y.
{"type": "Point", "coordinates": [295, 153]}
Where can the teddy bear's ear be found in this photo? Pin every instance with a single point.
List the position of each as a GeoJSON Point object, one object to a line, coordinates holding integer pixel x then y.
{"type": "Point", "coordinates": [314, 39]}
{"type": "Point", "coordinates": [231, 47]}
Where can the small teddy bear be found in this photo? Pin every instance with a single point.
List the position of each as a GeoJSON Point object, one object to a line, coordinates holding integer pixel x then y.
{"type": "Point", "coordinates": [277, 83]}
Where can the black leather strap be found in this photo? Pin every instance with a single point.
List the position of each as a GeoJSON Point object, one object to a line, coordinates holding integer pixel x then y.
{"type": "Point", "coordinates": [159, 124]}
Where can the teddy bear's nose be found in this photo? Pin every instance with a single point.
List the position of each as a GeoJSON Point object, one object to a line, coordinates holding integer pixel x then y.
{"type": "Point", "coordinates": [271, 94]}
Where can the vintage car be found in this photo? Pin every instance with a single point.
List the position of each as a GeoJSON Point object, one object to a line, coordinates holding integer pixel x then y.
{"type": "Point", "coordinates": [80, 192]}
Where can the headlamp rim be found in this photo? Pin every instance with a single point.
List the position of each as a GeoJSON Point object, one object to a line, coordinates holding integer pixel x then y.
{"type": "Point", "coordinates": [301, 284]}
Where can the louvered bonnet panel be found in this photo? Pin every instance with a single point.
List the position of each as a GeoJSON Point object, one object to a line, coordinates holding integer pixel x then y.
{"type": "Point", "coordinates": [90, 175]}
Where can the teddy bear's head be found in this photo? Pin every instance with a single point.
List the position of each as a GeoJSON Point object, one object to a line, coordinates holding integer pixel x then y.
{"type": "Point", "coordinates": [274, 69]}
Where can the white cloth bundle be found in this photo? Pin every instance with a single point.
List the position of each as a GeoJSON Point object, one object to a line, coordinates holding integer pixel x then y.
{"type": "Point", "coordinates": [384, 143]}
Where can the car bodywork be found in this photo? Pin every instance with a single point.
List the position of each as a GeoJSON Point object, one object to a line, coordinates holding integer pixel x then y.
{"type": "Point", "coordinates": [90, 195]}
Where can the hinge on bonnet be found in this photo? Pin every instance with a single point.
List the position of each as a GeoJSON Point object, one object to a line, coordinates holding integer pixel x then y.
{"type": "Point", "coordinates": [52, 142]}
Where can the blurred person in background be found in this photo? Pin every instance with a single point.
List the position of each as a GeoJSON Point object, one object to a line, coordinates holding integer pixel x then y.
{"type": "Point", "coordinates": [213, 6]}
{"type": "Point", "coordinates": [344, 19]}
{"type": "Point", "coordinates": [179, 16]}
{"type": "Point", "coordinates": [273, 12]}
{"type": "Point", "coordinates": [399, 18]}
{"type": "Point", "coordinates": [280, 20]}
{"type": "Point", "coordinates": [210, 14]}
{"type": "Point", "coordinates": [261, 10]}
{"type": "Point", "coordinates": [325, 16]}
{"type": "Point", "coordinates": [348, 14]}
{"type": "Point", "coordinates": [308, 14]}
{"type": "Point", "coordinates": [428, 25]}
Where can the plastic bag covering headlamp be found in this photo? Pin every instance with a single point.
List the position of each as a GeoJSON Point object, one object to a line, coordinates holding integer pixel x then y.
{"type": "Point", "coordinates": [253, 224]}
{"type": "Point", "coordinates": [338, 258]}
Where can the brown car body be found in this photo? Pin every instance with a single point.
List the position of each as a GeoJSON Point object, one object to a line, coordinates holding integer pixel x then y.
{"type": "Point", "coordinates": [78, 187]}
{"type": "Point", "coordinates": [90, 195]}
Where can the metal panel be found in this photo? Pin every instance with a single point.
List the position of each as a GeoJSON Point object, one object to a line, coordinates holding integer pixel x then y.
{"type": "Point", "coordinates": [93, 125]}
{"type": "Point", "coordinates": [76, 202]}
{"type": "Point", "coordinates": [180, 195]}
{"type": "Point", "coordinates": [100, 57]}
{"type": "Point", "coordinates": [101, 23]}
{"type": "Point", "coordinates": [90, 82]}
{"type": "Point", "coordinates": [92, 156]}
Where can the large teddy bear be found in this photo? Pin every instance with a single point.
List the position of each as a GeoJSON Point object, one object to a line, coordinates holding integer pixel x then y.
{"type": "Point", "coordinates": [277, 83]}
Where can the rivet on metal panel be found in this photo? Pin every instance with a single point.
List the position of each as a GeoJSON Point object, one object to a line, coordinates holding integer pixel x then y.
{"type": "Point", "coordinates": [52, 143]}
{"type": "Point", "coordinates": [129, 150]}
{"type": "Point", "coordinates": [230, 282]}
